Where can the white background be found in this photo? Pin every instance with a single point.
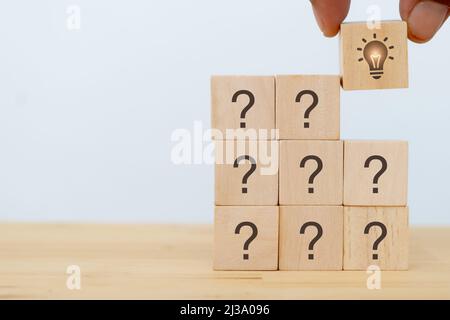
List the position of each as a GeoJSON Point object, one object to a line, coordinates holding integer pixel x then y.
{"type": "Point", "coordinates": [86, 116]}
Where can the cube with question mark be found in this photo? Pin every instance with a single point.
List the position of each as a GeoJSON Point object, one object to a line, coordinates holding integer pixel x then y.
{"type": "Point", "coordinates": [311, 172]}
{"type": "Point", "coordinates": [243, 103]}
{"type": "Point", "coordinates": [375, 173]}
{"type": "Point", "coordinates": [311, 237]}
{"type": "Point", "coordinates": [246, 238]}
{"type": "Point", "coordinates": [308, 107]}
{"type": "Point", "coordinates": [376, 236]}
{"type": "Point", "coordinates": [246, 172]}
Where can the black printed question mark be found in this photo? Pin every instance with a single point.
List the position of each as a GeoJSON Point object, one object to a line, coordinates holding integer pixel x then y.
{"type": "Point", "coordinates": [380, 172]}
{"type": "Point", "coordinates": [252, 237]}
{"type": "Point", "coordinates": [250, 104]}
{"type": "Point", "coordinates": [379, 239]}
{"type": "Point", "coordinates": [314, 104]}
{"type": "Point", "coordinates": [316, 172]}
{"type": "Point", "coordinates": [249, 172]}
{"type": "Point", "coordinates": [315, 239]}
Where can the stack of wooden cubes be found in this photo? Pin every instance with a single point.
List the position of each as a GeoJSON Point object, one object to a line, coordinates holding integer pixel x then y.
{"type": "Point", "coordinates": [289, 194]}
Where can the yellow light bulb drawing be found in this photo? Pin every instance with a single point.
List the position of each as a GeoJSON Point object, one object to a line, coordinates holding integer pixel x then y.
{"type": "Point", "coordinates": [376, 53]}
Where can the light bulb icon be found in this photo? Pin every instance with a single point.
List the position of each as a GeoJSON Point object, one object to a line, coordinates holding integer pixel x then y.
{"type": "Point", "coordinates": [376, 53]}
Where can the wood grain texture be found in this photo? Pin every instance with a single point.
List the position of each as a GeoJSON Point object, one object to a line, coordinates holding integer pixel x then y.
{"type": "Point", "coordinates": [392, 185]}
{"type": "Point", "coordinates": [392, 251]}
{"type": "Point", "coordinates": [175, 262]}
{"type": "Point", "coordinates": [260, 187]}
{"type": "Point", "coordinates": [327, 186]}
{"type": "Point", "coordinates": [226, 114]}
{"type": "Point", "coordinates": [230, 252]}
{"type": "Point", "coordinates": [296, 94]}
{"type": "Point", "coordinates": [355, 70]}
{"type": "Point", "coordinates": [295, 253]}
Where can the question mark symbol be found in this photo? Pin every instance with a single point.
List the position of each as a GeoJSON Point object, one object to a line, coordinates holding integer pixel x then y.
{"type": "Point", "coordinates": [252, 237]}
{"type": "Point", "coordinates": [316, 172]}
{"type": "Point", "coordinates": [379, 239]}
{"type": "Point", "coordinates": [380, 172]}
{"type": "Point", "coordinates": [315, 239]}
{"type": "Point", "coordinates": [249, 172]}
{"type": "Point", "coordinates": [314, 104]}
{"type": "Point", "coordinates": [251, 102]}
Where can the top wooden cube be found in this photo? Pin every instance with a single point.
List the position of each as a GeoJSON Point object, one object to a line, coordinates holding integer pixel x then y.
{"type": "Point", "coordinates": [374, 58]}
{"type": "Point", "coordinates": [242, 103]}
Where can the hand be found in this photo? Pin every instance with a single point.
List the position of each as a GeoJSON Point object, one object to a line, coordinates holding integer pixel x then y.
{"type": "Point", "coordinates": [424, 17]}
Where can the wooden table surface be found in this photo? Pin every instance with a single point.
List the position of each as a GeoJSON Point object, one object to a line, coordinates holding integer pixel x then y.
{"type": "Point", "coordinates": [174, 262]}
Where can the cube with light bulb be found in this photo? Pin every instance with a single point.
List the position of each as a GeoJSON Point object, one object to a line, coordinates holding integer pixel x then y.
{"type": "Point", "coordinates": [374, 55]}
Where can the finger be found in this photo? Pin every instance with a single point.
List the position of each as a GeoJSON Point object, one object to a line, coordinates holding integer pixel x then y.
{"type": "Point", "coordinates": [406, 7]}
{"type": "Point", "coordinates": [330, 14]}
{"type": "Point", "coordinates": [424, 18]}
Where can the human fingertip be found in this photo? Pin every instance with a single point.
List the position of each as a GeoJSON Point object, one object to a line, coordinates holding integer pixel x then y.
{"type": "Point", "coordinates": [425, 19]}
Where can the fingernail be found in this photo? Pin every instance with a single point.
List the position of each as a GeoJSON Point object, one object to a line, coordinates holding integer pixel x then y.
{"type": "Point", "coordinates": [425, 20]}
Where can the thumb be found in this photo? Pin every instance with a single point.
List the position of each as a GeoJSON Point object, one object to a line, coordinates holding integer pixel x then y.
{"type": "Point", "coordinates": [424, 18]}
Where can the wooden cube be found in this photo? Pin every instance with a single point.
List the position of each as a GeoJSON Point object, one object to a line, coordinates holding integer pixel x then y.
{"type": "Point", "coordinates": [246, 172]}
{"type": "Point", "coordinates": [311, 172]}
{"type": "Point", "coordinates": [311, 238]}
{"type": "Point", "coordinates": [375, 173]}
{"type": "Point", "coordinates": [374, 58]}
{"type": "Point", "coordinates": [243, 102]}
{"type": "Point", "coordinates": [246, 238]}
{"type": "Point", "coordinates": [307, 107]}
{"type": "Point", "coordinates": [376, 236]}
